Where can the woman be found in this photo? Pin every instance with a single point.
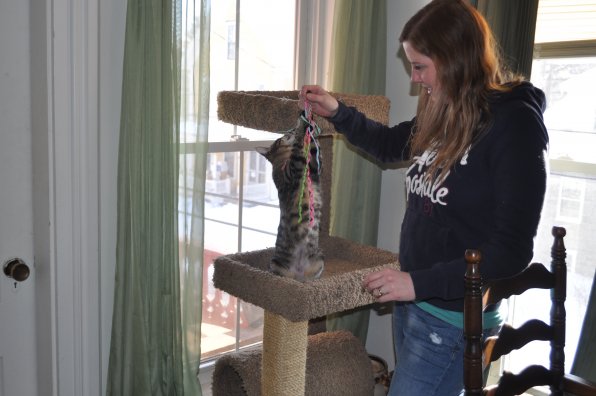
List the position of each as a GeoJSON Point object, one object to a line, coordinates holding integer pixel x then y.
{"type": "Point", "coordinates": [476, 179]}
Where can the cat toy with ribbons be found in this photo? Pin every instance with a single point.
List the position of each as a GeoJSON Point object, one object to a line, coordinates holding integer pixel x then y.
{"type": "Point", "coordinates": [312, 131]}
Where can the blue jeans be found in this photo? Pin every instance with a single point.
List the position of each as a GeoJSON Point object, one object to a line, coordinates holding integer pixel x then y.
{"type": "Point", "coordinates": [429, 354]}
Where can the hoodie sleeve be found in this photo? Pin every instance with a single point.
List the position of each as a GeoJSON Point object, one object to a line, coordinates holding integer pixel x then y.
{"type": "Point", "coordinates": [387, 144]}
{"type": "Point", "coordinates": [518, 167]}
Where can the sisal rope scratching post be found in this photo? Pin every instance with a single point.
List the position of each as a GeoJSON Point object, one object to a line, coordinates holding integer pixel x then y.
{"type": "Point", "coordinates": [284, 356]}
{"type": "Point", "coordinates": [289, 304]}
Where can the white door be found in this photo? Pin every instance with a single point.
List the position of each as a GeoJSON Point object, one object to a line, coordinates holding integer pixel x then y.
{"type": "Point", "coordinates": [55, 326]}
{"type": "Point", "coordinates": [17, 306]}
{"type": "Point", "coordinates": [17, 300]}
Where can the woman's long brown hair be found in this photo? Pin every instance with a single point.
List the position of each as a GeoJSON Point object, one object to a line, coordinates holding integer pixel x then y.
{"type": "Point", "coordinates": [468, 64]}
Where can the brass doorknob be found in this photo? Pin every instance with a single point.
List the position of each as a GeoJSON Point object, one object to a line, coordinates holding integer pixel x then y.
{"type": "Point", "coordinates": [16, 269]}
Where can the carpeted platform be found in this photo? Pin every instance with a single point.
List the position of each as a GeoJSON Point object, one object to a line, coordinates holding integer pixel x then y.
{"type": "Point", "coordinates": [277, 111]}
{"type": "Point", "coordinates": [245, 275]}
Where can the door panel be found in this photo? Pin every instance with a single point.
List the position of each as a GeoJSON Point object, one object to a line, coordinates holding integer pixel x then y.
{"type": "Point", "coordinates": [17, 302]}
{"type": "Point", "coordinates": [17, 336]}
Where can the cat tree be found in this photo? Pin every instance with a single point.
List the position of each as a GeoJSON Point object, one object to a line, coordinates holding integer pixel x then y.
{"type": "Point", "coordinates": [292, 362]}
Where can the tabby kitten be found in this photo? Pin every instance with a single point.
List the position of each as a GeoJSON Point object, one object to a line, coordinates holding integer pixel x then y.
{"type": "Point", "coordinates": [297, 254]}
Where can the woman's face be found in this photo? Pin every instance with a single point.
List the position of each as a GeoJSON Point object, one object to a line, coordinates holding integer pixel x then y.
{"type": "Point", "coordinates": [423, 69]}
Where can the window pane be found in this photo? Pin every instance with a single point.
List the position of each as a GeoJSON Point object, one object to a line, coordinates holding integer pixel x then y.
{"type": "Point", "coordinates": [260, 218]}
{"type": "Point", "coordinates": [218, 325]}
{"type": "Point", "coordinates": [264, 55]}
{"type": "Point", "coordinates": [580, 269]}
{"type": "Point", "coordinates": [267, 46]}
{"type": "Point", "coordinates": [255, 240]}
{"type": "Point", "coordinates": [570, 115]}
{"type": "Point", "coordinates": [221, 238]}
{"type": "Point", "coordinates": [221, 188]}
{"type": "Point", "coordinates": [251, 324]}
{"type": "Point", "coordinates": [234, 179]}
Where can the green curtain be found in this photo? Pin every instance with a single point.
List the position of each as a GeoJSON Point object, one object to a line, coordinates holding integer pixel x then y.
{"type": "Point", "coordinates": [513, 23]}
{"type": "Point", "coordinates": [193, 164]}
{"type": "Point", "coordinates": [151, 352]}
{"type": "Point", "coordinates": [358, 65]}
{"type": "Point", "coordinates": [584, 364]}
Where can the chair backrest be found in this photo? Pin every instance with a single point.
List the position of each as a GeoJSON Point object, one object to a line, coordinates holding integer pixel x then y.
{"type": "Point", "coordinates": [478, 354]}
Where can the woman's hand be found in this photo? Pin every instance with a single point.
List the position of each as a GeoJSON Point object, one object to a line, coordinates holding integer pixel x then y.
{"type": "Point", "coordinates": [321, 102]}
{"type": "Point", "coordinates": [390, 285]}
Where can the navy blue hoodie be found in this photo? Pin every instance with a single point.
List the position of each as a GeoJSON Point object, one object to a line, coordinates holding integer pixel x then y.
{"type": "Point", "coordinates": [491, 199]}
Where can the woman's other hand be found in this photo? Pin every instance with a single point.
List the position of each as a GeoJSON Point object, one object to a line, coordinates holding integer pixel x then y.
{"type": "Point", "coordinates": [390, 285]}
{"type": "Point", "coordinates": [321, 102]}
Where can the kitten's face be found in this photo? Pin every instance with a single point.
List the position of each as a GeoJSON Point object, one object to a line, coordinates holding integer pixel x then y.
{"type": "Point", "coordinates": [279, 151]}
{"type": "Point", "coordinates": [279, 154]}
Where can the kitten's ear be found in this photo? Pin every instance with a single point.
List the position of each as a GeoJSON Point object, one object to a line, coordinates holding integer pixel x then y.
{"type": "Point", "coordinates": [262, 150]}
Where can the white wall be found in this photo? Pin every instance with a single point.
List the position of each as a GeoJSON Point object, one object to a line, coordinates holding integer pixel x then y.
{"type": "Point", "coordinates": [403, 107]}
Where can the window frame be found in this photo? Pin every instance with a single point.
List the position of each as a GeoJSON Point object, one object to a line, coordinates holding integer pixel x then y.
{"type": "Point", "coordinates": [558, 50]}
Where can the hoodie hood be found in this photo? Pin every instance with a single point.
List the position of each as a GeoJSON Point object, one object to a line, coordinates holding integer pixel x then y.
{"type": "Point", "coordinates": [524, 95]}
{"type": "Point", "coordinates": [524, 92]}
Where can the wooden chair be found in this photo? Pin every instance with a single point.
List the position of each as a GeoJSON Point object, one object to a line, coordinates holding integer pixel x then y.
{"type": "Point", "coordinates": [478, 354]}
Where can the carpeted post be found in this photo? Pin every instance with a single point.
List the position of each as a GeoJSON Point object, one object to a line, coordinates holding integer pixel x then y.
{"type": "Point", "coordinates": [284, 356]}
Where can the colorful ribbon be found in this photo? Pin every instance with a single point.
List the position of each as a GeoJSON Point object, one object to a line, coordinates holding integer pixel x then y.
{"type": "Point", "coordinates": [312, 130]}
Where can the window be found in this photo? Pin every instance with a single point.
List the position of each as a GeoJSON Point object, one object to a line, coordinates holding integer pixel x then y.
{"type": "Point", "coordinates": [565, 68]}
{"type": "Point", "coordinates": [570, 200]}
{"type": "Point", "coordinates": [247, 52]}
